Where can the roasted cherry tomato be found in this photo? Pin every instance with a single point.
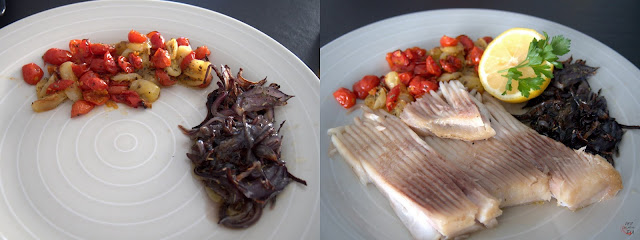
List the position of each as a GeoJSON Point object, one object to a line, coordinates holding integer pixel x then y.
{"type": "Point", "coordinates": [447, 41]}
{"type": "Point", "coordinates": [183, 41]}
{"type": "Point", "coordinates": [56, 56]}
{"type": "Point", "coordinates": [80, 50]}
{"type": "Point", "coordinates": [135, 60]}
{"type": "Point", "coordinates": [345, 97]}
{"type": "Point", "coordinates": [124, 64]}
{"type": "Point", "coordinates": [81, 107]}
{"type": "Point", "coordinates": [419, 86]}
{"type": "Point", "coordinates": [136, 37]}
{"type": "Point", "coordinates": [109, 63]}
{"type": "Point", "coordinates": [405, 77]}
{"type": "Point", "coordinates": [415, 54]}
{"type": "Point", "coordinates": [32, 73]}
{"type": "Point", "coordinates": [467, 43]}
{"type": "Point", "coordinates": [161, 59]}
{"type": "Point", "coordinates": [156, 39]}
{"type": "Point", "coordinates": [163, 78]}
{"type": "Point", "coordinates": [399, 62]}
{"type": "Point", "coordinates": [421, 69]}
{"type": "Point", "coordinates": [97, 97]}
{"type": "Point", "coordinates": [487, 39]}
{"type": "Point", "coordinates": [361, 88]}
{"type": "Point", "coordinates": [117, 89]}
{"type": "Point", "coordinates": [79, 69]}
{"type": "Point", "coordinates": [432, 67]}
{"type": "Point", "coordinates": [90, 80]}
{"type": "Point", "coordinates": [97, 65]}
{"type": "Point", "coordinates": [202, 52]}
{"type": "Point", "coordinates": [473, 58]}
{"type": "Point", "coordinates": [392, 97]}
{"type": "Point", "coordinates": [101, 48]}
{"type": "Point", "coordinates": [187, 59]}
{"type": "Point", "coordinates": [451, 64]}
{"type": "Point", "coordinates": [59, 85]}
{"type": "Point", "coordinates": [131, 98]}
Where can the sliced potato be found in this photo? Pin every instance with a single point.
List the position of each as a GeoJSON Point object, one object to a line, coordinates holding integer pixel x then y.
{"type": "Point", "coordinates": [391, 79]}
{"type": "Point", "coordinates": [41, 91]}
{"type": "Point", "coordinates": [144, 47]}
{"type": "Point", "coordinates": [471, 82]}
{"type": "Point", "coordinates": [453, 50]}
{"type": "Point", "coordinates": [121, 47]}
{"type": "Point", "coordinates": [147, 90]}
{"type": "Point", "coordinates": [182, 52]}
{"type": "Point", "coordinates": [49, 102]}
{"type": "Point", "coordinates": [73, 92]}
{"type": "Point", "coordinates": [174, 70]}
{"type": "Point", "coordinates": [172, 48]}
{"type": "Point", "coordinates": [186, 80]}
{"type": "Point", "coordinates": [197, 69]}
{"type": "Point", "coordinates": [126, 77]}
{"type": "Point", "coordinates": [445, 77]}
{"type": "Point", "coordinates": [66, 71]}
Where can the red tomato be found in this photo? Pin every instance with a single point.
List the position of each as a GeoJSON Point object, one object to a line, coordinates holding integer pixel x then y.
{"type": "Point", "coordinates": [183, 41]}
{"type": "Point", "coordinates": [202, 52]}
{"type": "Point", "coordinates": [161, 59]}
{"type": "Point", "coordinates": [97, 65]}
{"type": "Point", "coordinates": [80, 50]}
{"type": "Point", "coordinates": [421, 70]}
{"type": "Point", "coordinates": [56, 56]}
{"type": "Point", "coordinates": [97, 97]}
{"type": "Point", "coordinates": [405, 77]}
{"type": "Point", "coordinates": [345, 97]}
{"type": "Point", "coordinates": [110, 64]}
{"type": "Point", "coordinates": [59, 85]}
{"type": "Point", "coordinates": [117, 89]}
{"type": "Point", "coordinates": [447, 41]}
{"type": "Point", "coordinates": [187, 59]}
{"type": "Point", "coordinates": [131, 98]}
{"type": "Point", "coordinates": [79, 69]}
{"type": "Point", "coordinates": [100, 48]}
{"type": "Point", "coordinates": [415, 54]}
{"type": "Point", "coordinates": [135, 60]}
{"type": "Point", "coordinates": [419, 86]}
{"type": "Point", "coordinates": [467, 43]}
{"type": "Point", "coordinates": [487, 39]}
{"type": "Point", "coordinates": [432, 67]}
{"type": "Point", "coordinates": [451, 64]}
{"type": "Point", "coordinates": [90, 80]}
{"type": "Point", "coordinates": [392, 97]}
{"type": "Point", "coordinates": [399, 62]}
{"type": "Point", "coordinates": [124, 64]}
{"type": "Point", "coordinates": [163, 78]}
{"type": "Point", "coordinates": [157, 41]}
{"type": "Point", "coordinates": [473, 58]}
{"type": "Point", "coordinates": [80, 107]}
{"type": "Point", "coordinates": [362, 87]}
{"type": "Point", "coordinates": [136, 37]}
{"type": "Point", "coordinates": [32, 73]}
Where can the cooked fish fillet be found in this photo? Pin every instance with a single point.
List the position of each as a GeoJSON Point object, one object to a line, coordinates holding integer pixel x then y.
{"type": "Point", "coordinates": [578, 179]}
{"type": "Point", "coordinates": [448, 113]}
{"type": "Point", "coordinates": [421, 187]}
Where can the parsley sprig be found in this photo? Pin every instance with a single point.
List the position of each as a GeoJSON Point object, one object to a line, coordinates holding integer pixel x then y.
{"type": "Point", "coordinates": [539, 51]}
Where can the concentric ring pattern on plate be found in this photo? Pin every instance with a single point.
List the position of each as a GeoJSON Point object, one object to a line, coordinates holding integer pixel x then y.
{"type": "Point", "coordinates": [360, 212]}
{"type": "Point", "coordinates": [122, 173]}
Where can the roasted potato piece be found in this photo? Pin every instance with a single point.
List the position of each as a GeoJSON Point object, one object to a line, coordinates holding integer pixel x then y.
{"type": "Point", "coordinates": [147, 90]}
{"type": "Point", "coordinates": [49, 102]}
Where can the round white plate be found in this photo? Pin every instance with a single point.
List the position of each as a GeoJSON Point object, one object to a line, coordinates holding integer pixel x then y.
{"type": "Point", "coordinates": [123, 174]}
{"type": "Point", "coordinates": [353, 211]}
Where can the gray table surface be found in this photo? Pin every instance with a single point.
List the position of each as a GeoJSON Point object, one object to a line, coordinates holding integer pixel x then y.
{"type": "Point", "coordinates": [614, 23]}
{"type": "Point", "coordinates": [294, 24]}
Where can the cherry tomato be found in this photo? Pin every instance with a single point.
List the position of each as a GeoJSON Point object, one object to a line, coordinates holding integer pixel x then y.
{"type": "Point", "coordinates": [451, 64]}
{"type": "Point", "coordinates": [97, 65]}
{"type": "Point", "coordinates": [187, 59]}
{"type": "Point", "coordinates": [447, 41]}
{"type": "Point", "coordinates": [80, 50]}
{"type": "Point", "coordinates": [419, 86]}
{"type": "Point", "coordinates": [405, 77]}
{"type": "Point", "coordinates": [131, 98]}
{"type": "Point", "coordinates": [79, 69]}
{"type": "Point", "coordinates": [101, 48]}
{"type": "Point", "coordinates": [202, 52]}
{"type": "Point", "coordinates": [117, 89]}
{"type": "Point", "coordinates": [59, 85]}
{"type": "Point", "coordinates": [161, 59]}
{"type": "Point", "coordinates": [56, 56]}
{"type": "Point", "coordinates": [399, 62]}
{"type": "Point", "coordinates": [110, 63]}
{"type": "Point", "coordinates": [32, 73]}
{"type": "Point", "coordinates": [415, 54]}
{"type": "Point", "coordinates": [467, 43]}
{"type": "Point", "coordinates": [156, 39]}
{"type": "Point", "coordinates": [345, 97]}
{"type": "Point", "coordinates": [473, 58]}
{"type": "Point", "coordinates": [90, 80]}
{"type": "Point", "coordinates": [164, 79]}
{"type": "Point", "coordinates": [136, 37]}
{"type": "Point", "coordinates": [432, 67]}
{"type": "Point", "coordinates": [97, 97]}
{"type": "Point", "coordinates": [135, 60]}
{"type": "Point", "coordinates": [124, 64]}
{"type": "Point", "coordinates": [392, 97]}
{"type": "Point", "coordinates": [183, 41]}
{"type": "Point", "coordinates": [361, 88]}
{"type": "Point", "coordinates": [80, 107]}
{"type": "Point", "coordinates": [421, 70]}
{"type": "Point", "coordinates": [487, 39]}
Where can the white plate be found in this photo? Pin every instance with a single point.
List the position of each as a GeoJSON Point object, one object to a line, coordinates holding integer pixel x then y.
{"type": "Point", "coordinates": [354, 211]}
{"type": "Point", "coordinates": [123, 174]}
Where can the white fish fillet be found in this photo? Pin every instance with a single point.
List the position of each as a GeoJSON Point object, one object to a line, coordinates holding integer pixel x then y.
{"type": "Point", "coordinates": [448, 113]}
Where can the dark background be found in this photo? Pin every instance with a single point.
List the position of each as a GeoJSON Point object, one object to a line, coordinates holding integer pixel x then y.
{"type": "Point", "coordinates": [614, 23]}
{"type": "Point", "coordinates": [294, 24]}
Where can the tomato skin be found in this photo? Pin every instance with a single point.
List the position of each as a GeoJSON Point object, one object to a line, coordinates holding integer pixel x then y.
{"type": "Point", "coordinates": [202, 52]}
{"type": "Point", "coordinates": [135, 60]}
{"type": "Point", "coordinates": [91, 81]}
{"type": "Point", "coordinates": [124, 64]}
{"type": "Point", "coordinates": [32, 73]}
{"type": "Point", "coordinates": [345, 97]}
{"type": "Point", "coordinates": [487, 39]}
{"type": "Point", "coordinates": [97, 97]}
{"type": "Point", "coordinates": [405, 77]}
{"type": "Point", "coordinates": [161, 59]}
{"type": "Point", "coordinates": [361, 88]}
{"type": "Point", "coordinates": [97, 65]}
{"type": "Point", "coordinates": [451, 64]}
{"type": "Point", "coordinates": [419, 86]}
{"type": "Point", "coordinates": [392, 97]}
{"type": "Point", "coordinates": [156, 39]}
{"type": "Point", "coordinates": [59, 85]}
{"type": "Point", "coordinates": [474, 56]}
{"type": "Point", "coordinates": [467, 43]}
{"type": "Point", "coordinates": [447, 41]}
{"type": "Point", "coordinates": [109, 63]}
{"type": "Point", "coordinates": [117, 89]}
{"type": "Point", "coordinates": [56, 56]}
{"type": "Point", "coordinates": [80, 50]}
{"type": "Point", "coordinates": [128, 97]}
{"type": "Point", "coordinates": [399, 62]}
{"type": "Point", "coordinates": [432, 67]}
{"type": "Point", "coordinates": [101, 48]}
{"type": "Point", "coordinates": [187, 59]}
{"type": "Point", "coordinates": [164, 79]}
{"type": "Point", "coordinates": [81, 107]}
{"type": "Point", "coordinates": [79, 69]}
{"type": "Point", "coordinates": [183, 41]}
{"type": "Point", "coordinates": [136, 37]}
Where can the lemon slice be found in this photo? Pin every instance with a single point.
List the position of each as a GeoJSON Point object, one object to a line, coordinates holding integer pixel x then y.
{"type": "Point", "coordinates": [505, 51]}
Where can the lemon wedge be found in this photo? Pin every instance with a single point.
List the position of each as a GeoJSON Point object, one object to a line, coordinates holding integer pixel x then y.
{"type": "Point", "coordinates": [505, 51]}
